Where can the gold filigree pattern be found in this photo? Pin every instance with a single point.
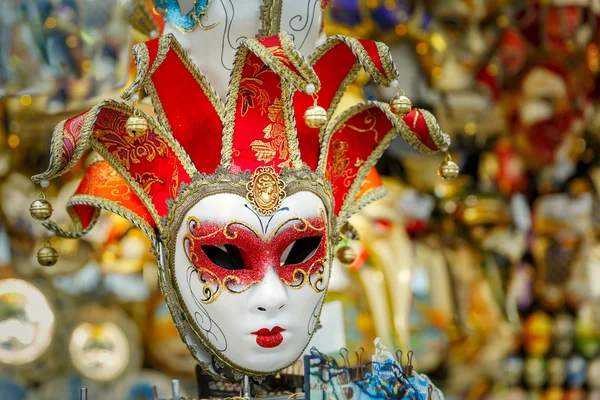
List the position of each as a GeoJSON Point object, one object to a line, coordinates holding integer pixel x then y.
{"type": "Point", "coordinates": [279, 61]}
{"type": "Point", "coordinates": [275, 144]}
{"type": "Point", "coordinates": [130, 149]}
{"type": "Point", "coordinates": [265, 190]}
{"type": "Point", "coordinates": [147, 179]}
{"type": "Point", "coordinates": [340, 163]}
{"type": "Point", "coordinates": [212, 285]}
{"type": "Point", "coordinates": [115, 208]}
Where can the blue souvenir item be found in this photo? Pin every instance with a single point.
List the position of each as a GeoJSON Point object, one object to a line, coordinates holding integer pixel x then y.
{"type": "Point", "coordinates": [576, 371]}
{"type": "Point", "coordinates": [185, 22]}
{"type": "Point", "coordinates": [382, 378]}
{"type": "Point", "coordinates": [12, 390]}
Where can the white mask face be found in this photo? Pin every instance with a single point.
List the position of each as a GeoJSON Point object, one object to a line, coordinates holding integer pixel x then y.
{"type": "Point", "coordinates": [465, 30]}
{"type": "Point", "coordinates": [252, 286]}
{"type": "Point", "coordinates": [230, 22]}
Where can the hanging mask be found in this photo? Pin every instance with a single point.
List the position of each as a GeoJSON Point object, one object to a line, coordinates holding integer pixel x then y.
{"type": "Point", "coordinates": [243, 201]}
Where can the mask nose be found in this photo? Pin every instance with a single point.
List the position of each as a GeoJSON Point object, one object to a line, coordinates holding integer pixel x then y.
{"type": "Point", "coordinates": [269, 296]}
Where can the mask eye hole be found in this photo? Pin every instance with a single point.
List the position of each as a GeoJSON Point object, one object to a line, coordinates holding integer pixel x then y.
{"type": "Point", "coordinates": [300, 251]}
{"type": "Point", "coordinates": [226, 256]}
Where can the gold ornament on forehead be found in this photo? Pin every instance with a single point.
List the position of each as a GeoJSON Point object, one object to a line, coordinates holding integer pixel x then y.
{"type": "Point", "coordinates": [265, 191]}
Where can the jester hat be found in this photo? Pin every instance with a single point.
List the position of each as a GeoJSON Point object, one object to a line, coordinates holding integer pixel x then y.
{"type": "Point", "coordinates": [199, 145]}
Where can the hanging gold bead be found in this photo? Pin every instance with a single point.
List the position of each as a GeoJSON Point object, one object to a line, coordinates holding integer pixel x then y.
{"type": "Point", "coordinates": [346, 255]}
{"type": "Point", "coordinates": [315, 116]}
{"type": "Point", "coordinates": [136, 125]}
{"type": "Point", "coordinates": [40, 210]}
{"type": "Point", "coordinates": [401, 105]}
{"type": "Point", "coordinates": [47, 256]}
{"type": "Point", "coordinates": [448, 170]}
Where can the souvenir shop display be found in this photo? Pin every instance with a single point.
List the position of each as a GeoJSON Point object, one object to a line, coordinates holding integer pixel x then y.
{"type": "Point", "coordinates": [246, 226]}
{"type": "Point", "coordinates": [64, 51]}
{"type": "Point", "coordinates": [227, 210]}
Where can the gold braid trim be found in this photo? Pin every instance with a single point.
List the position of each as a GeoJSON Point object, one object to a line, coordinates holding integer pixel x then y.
{"type": "Point", "coordinates": [287, 93]}
{"type": "Point", "coordinates": [307, 74]}
{"type": "Point", "coordinates": [86, 139]}
{"type": "Point", "coordinates": [141, 58]}
{"type": "Point", "coordinates": [362, 56]}
{"type": "Point", "coordinates": [367, 198]}
{"type": "Point", "coordinates": [159, 111]}
{"type": "Point", "coordinates": [385, 56]}
{"type": "Point", "coordinates": [166, 43]}
{"type": "Point", "coordinates": [231, 105]}
{"type": "Point", "coordinates": [399, 126]}
{"type": "Point", "coordinates": [294, 80]}
{"type": "Point", "coordinates": [335, 101]}
{"type": "Point", "coordinates": [115, 208]}
{"type": "Point", "coordinates": [78, 232]}
{"type": "Point", "coordinates": [205, 85]}
{"type": "Point", "coordinates": [56, 147]}
{"type": "Point", "coordinates": [270, 17]}
{"type": "Point", "coordinates": [439, 138]}
{"type": "Point", "coordinates": [56, 144]}
{"type": "Point", "coordinates": [349, 205]}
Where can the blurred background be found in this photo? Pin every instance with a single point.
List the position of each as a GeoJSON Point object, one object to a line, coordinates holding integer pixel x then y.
{"type": "Point", "coordinates": [491, 279]}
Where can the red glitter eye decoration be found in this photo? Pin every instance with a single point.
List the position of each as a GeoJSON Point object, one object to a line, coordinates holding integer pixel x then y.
{"type": "Point", "coordinates": [300, 250]}
{"type": "Point", "coordinates": [226, 256]}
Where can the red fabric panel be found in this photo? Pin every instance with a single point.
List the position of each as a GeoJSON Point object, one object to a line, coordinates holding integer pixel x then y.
{"type": "Point", "coordinates": [273, 44]}
{"type": "Point", "coordinates": [416, 122]}
{"type": "Point", "coordinates": [259, 137]}
{"type": "Point", "coordinates": [371, 48]}
{"type": "Point", "coordinates": [190, 113]}
{"type": "Point", "coordinates": [152, 50]}
{"type": "Point", "coordinates": [350, 147]}
{"type": "Point", "coordinates": [148, 158]}
{"type": "Point", "coordinates": [331, 69]}
{"type": "Point", "coordinates": [71, 136]}
{"type": "Point", "coordinates": [101, 180]}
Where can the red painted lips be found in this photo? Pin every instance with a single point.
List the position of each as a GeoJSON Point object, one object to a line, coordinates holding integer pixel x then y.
{"type": "Point", "coordinates": [269, 338]}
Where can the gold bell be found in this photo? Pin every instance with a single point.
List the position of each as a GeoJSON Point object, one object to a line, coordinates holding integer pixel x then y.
{"type": "Point", "coordinates": [315, 116]}
{"type": "Point", "coordinates": [40, 210]}
{"type": "Point", "coordinates": [136, 125]}
{"type": "Point", "coordinates": [448, 169]}
{"type": "Point", "coordinates": [47, 256]}
{"type": "Point", "coordinates": [401, 105]}
{"type": "Point", "coordinates": [346, 255]}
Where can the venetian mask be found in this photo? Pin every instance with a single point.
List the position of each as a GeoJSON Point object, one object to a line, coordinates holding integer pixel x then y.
{"type": "Point", "coordinates": [211, 31]}
{"type": "Point", "coordinates": [544, 115]}
{"type": "Point", "coordinates": [557, 371]}
{"type": "Point", "coordinates": [463, 31]}
{"type": "Point", "coordinates": [593, 374]}
{"type": "Point", "coordinates": [512, 371]}
{"type": "Point", "coordinates": [576, 371]}
{"type": "Point", "coordinates": [104, 344]}
{"type": "Point", "coordinates": [535, 372]}
{"type": "Point", "coordinates": [554, 78]}
{"type": "Point", "coordinates": [245, 201]}
{"type": "Point", "coordinates": [27, 323]}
